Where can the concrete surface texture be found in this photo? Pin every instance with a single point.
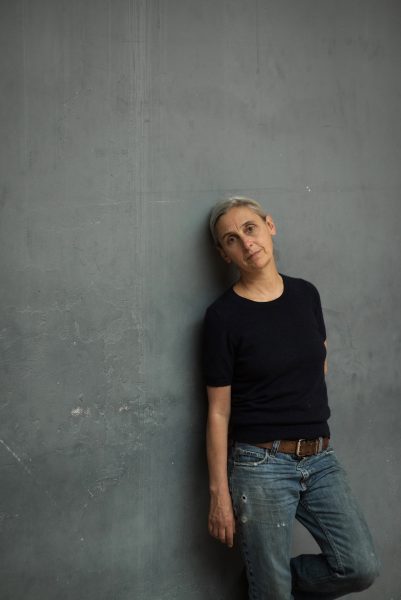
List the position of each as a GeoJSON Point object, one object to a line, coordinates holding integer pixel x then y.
{"type": "Point", "coordinates": [122, 123]}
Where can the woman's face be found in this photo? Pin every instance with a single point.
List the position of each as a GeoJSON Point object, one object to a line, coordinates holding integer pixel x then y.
{"type": "Point", "coordinates": [245, 238]}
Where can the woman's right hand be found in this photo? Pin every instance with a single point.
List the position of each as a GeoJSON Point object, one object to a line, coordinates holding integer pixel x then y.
{"type": "Point", "coordinates": [221, 521]}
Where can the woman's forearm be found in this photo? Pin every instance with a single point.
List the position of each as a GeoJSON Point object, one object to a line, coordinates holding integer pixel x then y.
{"type": "Point", "coordinates": [216, 443]}
{"type": "Point", "coordinates": [221, 516]}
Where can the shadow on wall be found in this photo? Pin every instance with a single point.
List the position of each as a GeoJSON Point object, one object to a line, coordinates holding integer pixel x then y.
{"type": "Point", "coordinates": [215, 276]}
{"type": "Point", "coordinates": [221, 275]}
{"type": "Point", "coordinates": [222, 564]}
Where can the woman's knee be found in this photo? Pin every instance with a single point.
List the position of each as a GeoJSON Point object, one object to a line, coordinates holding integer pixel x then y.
{"type": "Point", "coordinates": [364, 573]}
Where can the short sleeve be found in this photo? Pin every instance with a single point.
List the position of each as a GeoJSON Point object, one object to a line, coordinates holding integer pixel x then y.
{"type": "Point", "coordinates": [319, 313]}
{"type": "Point", "coordinates": [218, 350]}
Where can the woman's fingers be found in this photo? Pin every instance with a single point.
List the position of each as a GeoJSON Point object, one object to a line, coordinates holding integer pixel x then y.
{"type": "Point", "coordinates": [223, 533]}
{"type": "Point", "coordinates": [229, 537]}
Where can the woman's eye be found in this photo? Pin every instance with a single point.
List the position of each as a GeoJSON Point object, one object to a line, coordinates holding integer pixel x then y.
{"type": "Point", "coordinates": [230, 240]}
{"type": "Point", "coordinates": [250, 228]}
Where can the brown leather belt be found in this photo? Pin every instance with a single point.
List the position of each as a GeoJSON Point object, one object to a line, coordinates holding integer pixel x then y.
{"type": "Point", "coordinates": [299, 447]}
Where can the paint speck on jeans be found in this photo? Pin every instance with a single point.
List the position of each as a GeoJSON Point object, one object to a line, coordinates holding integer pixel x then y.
{"type": "Point", "coordinates": [281, 525]}
{"type": "Point", "coordinates": [243, 519]}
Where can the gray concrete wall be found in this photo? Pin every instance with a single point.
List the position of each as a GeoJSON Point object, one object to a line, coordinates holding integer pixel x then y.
{"type": "Point", "coordinates": [122, 122]}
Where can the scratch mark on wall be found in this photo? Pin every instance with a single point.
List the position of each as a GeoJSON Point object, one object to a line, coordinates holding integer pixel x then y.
{"type": "Point", "coordinates": [17, 458]}
{"type": "Point", "coordinates": [102, 485]}
{"type": "Point", "coordinates": [81, 412]}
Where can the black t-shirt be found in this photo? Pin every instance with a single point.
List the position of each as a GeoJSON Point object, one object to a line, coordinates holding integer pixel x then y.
{"type": "Point", "coordinates": [272, 354]}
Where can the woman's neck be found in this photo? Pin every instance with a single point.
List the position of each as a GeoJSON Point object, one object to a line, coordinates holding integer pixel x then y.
{"type": "Point", "coordinates": [261, 286]}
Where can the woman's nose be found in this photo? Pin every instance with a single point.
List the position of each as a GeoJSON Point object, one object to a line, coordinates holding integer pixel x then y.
{"type": "Point", "coordinates": [247, 242]}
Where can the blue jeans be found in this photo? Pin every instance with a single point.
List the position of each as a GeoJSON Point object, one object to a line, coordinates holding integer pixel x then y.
{"type": "Point", "coordinates": [270, 489]}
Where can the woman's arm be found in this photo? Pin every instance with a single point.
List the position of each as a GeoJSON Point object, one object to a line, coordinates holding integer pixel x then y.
{"type": "Point", "coordinates": [221, 516]}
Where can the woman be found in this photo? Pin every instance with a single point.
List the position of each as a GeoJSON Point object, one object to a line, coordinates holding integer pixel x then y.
{"type": "Point", "coordinates": [265, 364]}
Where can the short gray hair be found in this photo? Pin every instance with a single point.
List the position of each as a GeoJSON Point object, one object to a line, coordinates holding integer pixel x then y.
{"type": "Point", "coordinates": [222, 207]}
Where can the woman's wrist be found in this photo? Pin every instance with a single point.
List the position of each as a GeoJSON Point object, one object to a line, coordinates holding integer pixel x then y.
{"type": "Point", "coordinates": [219, 491]}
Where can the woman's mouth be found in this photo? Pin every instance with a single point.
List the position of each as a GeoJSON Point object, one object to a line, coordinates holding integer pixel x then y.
{"type": "Point", "coordinates": [251, 256]}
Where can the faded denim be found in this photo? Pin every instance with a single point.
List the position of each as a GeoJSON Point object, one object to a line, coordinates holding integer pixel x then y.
{"type": "Point", "coordinates": [269, 490]}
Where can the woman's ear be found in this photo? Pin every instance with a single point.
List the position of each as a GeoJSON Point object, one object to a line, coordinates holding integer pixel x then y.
{"type": "Point", "coordinates": [270, 225]}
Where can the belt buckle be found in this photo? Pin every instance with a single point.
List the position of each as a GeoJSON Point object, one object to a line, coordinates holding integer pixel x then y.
{"type": "Point", "coordinates": [298, 448]}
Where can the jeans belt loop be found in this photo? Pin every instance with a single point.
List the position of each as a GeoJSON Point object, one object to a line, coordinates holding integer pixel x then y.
{"type": "Point", "coordinates": [298, 448]}
{"type": "Point", "coordinates": [275, 447]}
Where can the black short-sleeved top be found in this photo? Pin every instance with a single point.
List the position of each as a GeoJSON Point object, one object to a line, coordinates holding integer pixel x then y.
{"type": "Point", "coordinates": [272, 354]}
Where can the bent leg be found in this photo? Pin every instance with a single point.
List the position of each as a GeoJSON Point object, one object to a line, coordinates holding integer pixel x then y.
{"type": "Point", "coordinates": [329, 510]}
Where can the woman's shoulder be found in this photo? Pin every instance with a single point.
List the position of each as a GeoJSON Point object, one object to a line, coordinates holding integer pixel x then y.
{"type": "Point", "coordinates": [222, 303]}
{"type": "Point", "coordinates": [299, 284]}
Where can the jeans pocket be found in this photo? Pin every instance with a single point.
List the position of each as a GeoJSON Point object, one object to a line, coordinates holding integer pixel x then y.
{"type": "Point", "coordinates": [249, 458]}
